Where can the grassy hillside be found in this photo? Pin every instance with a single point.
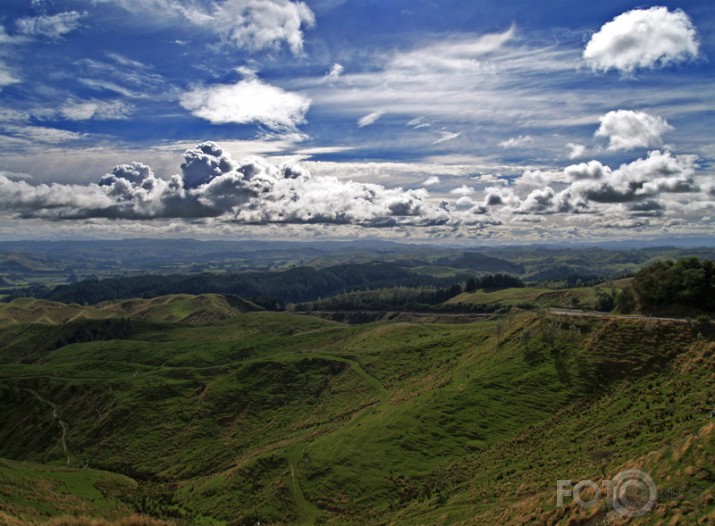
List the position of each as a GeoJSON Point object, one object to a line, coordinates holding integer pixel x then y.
{"type": "Point", "coordinates": [282, 418]}
{"type": "Point", "coordinates": [537, 297]}
{"type": "Point", "coordinates": [32, 490]}
{"type": "Point", "coordinates": [165, 309]}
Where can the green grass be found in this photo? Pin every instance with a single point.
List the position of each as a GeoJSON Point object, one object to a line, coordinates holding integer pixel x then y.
{"type": "Point", "coordinates": [284, 418]}
{"type": "Point", "coordinates": [538, 297]}
{"type": "Point", "coordinates": [30, 491]}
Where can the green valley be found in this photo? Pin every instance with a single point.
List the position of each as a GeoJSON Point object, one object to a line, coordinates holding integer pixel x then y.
{"type": "Point", "coordinates": [209, 410]}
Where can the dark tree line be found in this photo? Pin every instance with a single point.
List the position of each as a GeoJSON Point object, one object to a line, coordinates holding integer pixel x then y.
{"type": "Point", "coordinates": [688, 282]}
{"type": "Point", "coordinates": [493, 282]}
{"type": "Point", "coordinates": [269, 289]}
{"type": "Point", "coordinates": [413, 299]}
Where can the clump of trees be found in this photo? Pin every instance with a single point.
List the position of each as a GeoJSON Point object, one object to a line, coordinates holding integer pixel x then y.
{"type": "Point", "coordinates": [493, 282]}
{"type": "Point", "coordinates": [688, 282]}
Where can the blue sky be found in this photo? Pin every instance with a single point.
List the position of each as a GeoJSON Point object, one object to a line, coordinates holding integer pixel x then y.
{"type": "Point", "coordinates": [507, 121]}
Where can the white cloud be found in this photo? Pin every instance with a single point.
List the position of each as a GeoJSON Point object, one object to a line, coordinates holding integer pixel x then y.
{"type": "Point", "coordinates": [51, 26]}
{"type": "Point", "coordinates": [322, 150]}
{"type": "Point", "coordinates": [463, 190]}
{"type": "Point", "coordinates": [660, 172]}
{"type": "Point", "coordinates": [39, 134]}
{"type": "Point", "coordinates": [576, 151]}
{"type": "Point", "coordinates": [77, 110]}
{"type": "Point", "coordinates": [254, 25]}
{"type": "Point", "coordinates": [637, 188]}
{"type": "Point", "coordinates": [370, 118]}
{"type": "Point", "coordinates": [247, 101]}
{"type": "Point", "coordinates": [263, 24]}
{"type": "Point", "coordinates": [335, 71]}
{"type": "Point", "coordinates": [461, 54]}
{"type": "Point", "coordinates": [515, 142]}
{"type": "Point", "coordinates": [642, 38]}
{"type": "Point", "coordinates": [458, 79]}
{"type": "Point", "coordinates": [447, 136]}
{"type": "Point", "coordinates": [7, 75]}
{"type": "Point", "coordinates": [123, 76]}
{"type": "Point", "coordinates": [418, 123]}
{"type": "Point", "coordinates": [431, 181]}
{"type": "Point", "coordinates": [626, 130]}
{"type": "Point", "coordinates": [539, 178]}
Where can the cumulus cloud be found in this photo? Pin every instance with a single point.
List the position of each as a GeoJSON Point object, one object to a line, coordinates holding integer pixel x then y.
{"type": "Point", "coordinates": [263, 24]}
{"type": "Point", "coordinates": [212, 185]}
{"type": "Point", "coordinates": [463, 190]}
{"type": "Point", "coordinates": [515, 142]}
{"type": "Point", "coordinates": [370, 118]}
{"type": "Point", "coordinates": [213, 188]}
{"type": "Point", "coordinates": [642, 38]}
{"type": "Point", "coordinates": [538, 178]}
{"type": "Point", "coordinates": [660, 172]}
{"type": "Point", "coordinates": [626, 130]}
{"type": "Point", "coordinates": [585, 187]}
{"type": "Point", "coordinates": [51, 26]}
{"type": "Point", "coordinates": [248, 101]}
{"type": "Point", "coordinates": [50, 200]}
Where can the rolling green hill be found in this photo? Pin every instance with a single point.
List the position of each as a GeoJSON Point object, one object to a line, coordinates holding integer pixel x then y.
{"type": "Point", "coordinates": [197, 411]}
{"type": "Point", "coordinates": [170, 309]}
{"type": "Point", "coordinates": [538, 297]}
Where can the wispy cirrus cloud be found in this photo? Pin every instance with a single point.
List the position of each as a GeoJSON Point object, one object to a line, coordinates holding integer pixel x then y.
{"type": "Point", "coordinates": [50, 26]}
{"type": "Point", "coordinates": [370, 118]}
{"type": "Point", "coordinates": [515, 142]}
{"type": "Point", "coordinates": [447, 136]}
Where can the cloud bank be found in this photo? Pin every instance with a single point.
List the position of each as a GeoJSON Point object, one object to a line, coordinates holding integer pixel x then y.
{"type": "Point", "coordinates": [212, 185]}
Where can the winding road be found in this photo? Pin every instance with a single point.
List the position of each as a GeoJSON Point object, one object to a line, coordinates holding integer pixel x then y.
{"type": "Point", "coordinates": [596, 314]}
{"type": "Point", "coordinates": [308, 511]}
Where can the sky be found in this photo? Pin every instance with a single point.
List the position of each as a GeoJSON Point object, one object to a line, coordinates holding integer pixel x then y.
{"type": "Point", "coordinates": [423, 120]}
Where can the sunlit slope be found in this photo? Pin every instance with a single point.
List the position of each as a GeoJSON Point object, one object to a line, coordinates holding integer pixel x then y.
{"type": "Point", "coordinates": [536, 297]}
